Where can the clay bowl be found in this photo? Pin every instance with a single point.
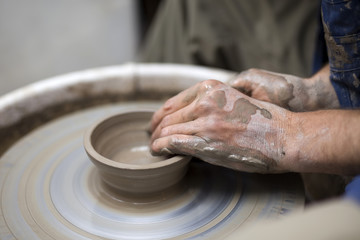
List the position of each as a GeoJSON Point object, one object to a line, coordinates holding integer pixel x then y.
{"type": "Point", "coordinates": [118, 146]}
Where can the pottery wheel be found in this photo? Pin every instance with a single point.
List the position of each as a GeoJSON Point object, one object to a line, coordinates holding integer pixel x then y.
{"type": "Point", "coordinates": [50, 190]}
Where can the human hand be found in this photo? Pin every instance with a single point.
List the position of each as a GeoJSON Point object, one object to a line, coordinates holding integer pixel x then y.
{"type": "Point", "coordinates": [288, 91]}
{"type": "Point", "coordinates": [220, 125]}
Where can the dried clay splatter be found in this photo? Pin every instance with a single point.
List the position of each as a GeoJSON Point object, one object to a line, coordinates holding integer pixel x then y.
{"type": "Point", "coordinates": [337, 53]}
{"type": "Point", "coordinates": [244, 109]}
{"type": "Point", "coordinates": [240, 158]}
{"type": "Point", "coordinates": [219, 98]}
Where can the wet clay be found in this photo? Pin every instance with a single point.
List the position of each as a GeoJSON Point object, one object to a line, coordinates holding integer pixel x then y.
{"type": "Point", "coordinates": [125, 140]}
{"type": "Point", "coordinates": [243, 110]}
{"type": "Point", "coordinates": [138, 155]}
{"type": "Point", "coordinates": [118, 146]}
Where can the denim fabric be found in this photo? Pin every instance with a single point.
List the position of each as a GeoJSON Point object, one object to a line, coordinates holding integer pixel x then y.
{"type": "Point", "coordinates": [352, 190]}
{"type": "Point", "coordinates": [341, 22]}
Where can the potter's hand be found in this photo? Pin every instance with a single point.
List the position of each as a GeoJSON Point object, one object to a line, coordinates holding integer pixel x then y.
{"type": "Point", "coordinates": [291, 92]}
{"type": "Point", "coordinates": [220, 125]}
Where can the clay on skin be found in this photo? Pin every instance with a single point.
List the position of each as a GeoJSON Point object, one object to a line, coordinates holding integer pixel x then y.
{"type": "Point", "coordinates": [220, 98]}
{"type": "Point", "coordinates": [228, 129]}
{"type": "Point", "coordinates": [266, 86]}
{"type": "Point", "coordinates": [243, 110]}
{"type": "Point", "coordinates": [291, 92]}
{"type": "Point", "coordinates": [235, 157]}
{"type": "Point", "coordinates": [239, 158]}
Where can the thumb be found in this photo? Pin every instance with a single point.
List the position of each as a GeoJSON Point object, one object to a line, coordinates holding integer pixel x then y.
{"type": "Point", "coordinates": [241, 83]}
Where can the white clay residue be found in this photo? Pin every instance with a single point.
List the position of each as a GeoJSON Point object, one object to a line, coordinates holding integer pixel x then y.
{"type": "Point", "coordinates": [248, 160]}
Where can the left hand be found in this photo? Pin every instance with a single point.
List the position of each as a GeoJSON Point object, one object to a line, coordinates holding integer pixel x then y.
{"type": "Point", "coordinates": [220, 125]}
{"type": "Point", "coordinates": [291, 92]}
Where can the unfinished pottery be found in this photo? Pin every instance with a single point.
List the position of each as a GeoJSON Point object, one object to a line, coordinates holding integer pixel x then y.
{"type": "Point", "coordinates": [118, 146]}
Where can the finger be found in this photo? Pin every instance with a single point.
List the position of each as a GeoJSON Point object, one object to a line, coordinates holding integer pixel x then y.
{"type": "Point", "coordinates": [183, 115]}
{"type": "Point", "coordinates": [172, 105]}
{"type": "Point", "coordinates": [242, 83]}
{"type": "Point", "coordinates": [178, 144]}
{"type": "Point", "coordinates": [188, 128]}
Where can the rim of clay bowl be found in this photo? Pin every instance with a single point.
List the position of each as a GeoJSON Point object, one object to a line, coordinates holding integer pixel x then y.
{"type": "Point", "coordinates": [89, 148]}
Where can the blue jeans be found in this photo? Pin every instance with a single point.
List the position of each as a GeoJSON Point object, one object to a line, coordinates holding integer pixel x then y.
{"type": "Point", "coordinates": [341, 22]}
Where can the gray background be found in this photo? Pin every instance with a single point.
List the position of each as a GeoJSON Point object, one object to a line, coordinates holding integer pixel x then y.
{"type": "Point", "coordinates": [44, 38]}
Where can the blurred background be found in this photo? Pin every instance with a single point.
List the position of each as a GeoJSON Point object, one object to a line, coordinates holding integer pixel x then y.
{"type": "Point", "coordinates": [44, 38]}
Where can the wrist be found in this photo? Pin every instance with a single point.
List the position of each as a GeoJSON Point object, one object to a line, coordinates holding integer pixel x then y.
{"type": "Point", "coordinates": [291, 136]}
{"type": "Point", "coordinates": [321, 94]}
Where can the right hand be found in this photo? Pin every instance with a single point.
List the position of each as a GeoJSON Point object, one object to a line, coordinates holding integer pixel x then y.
{"type": "Point", "coordinates": [222, 126]}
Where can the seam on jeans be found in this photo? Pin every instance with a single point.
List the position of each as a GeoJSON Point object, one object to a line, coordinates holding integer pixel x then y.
{"type": "Point", "coordinates": [351, 38]}
{"type": "Point", "coordinates": [334, 2]}
{"type": "Point", "coordinates": [345, 70]}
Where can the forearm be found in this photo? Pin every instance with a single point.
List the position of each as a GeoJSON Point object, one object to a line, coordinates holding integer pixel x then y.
{"type": "Point", "coordinates": [325, 142]}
